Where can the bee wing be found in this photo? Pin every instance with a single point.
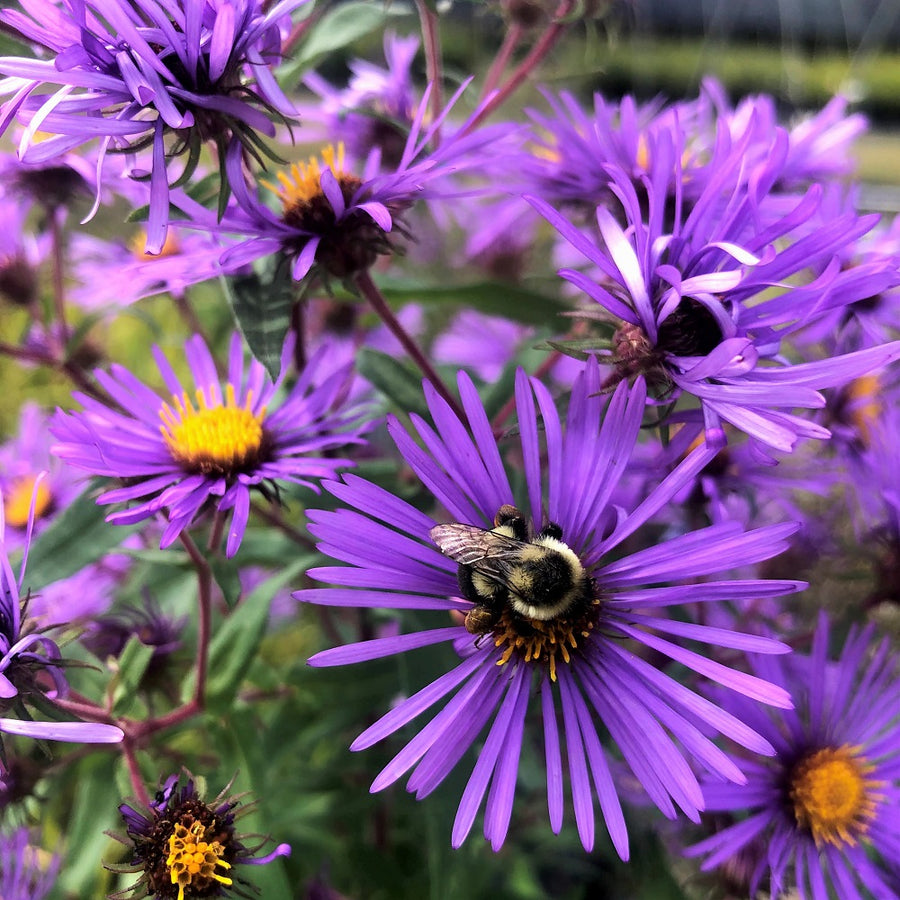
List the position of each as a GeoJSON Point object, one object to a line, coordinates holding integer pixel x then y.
{"type": "Point", "coordinates": [471, 546]}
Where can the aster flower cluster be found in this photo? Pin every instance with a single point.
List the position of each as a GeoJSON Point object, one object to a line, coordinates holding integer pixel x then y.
{"type": "Point", "coordinates": [592, 399]}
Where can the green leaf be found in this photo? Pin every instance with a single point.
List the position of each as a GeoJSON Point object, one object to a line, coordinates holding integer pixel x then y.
{"type": "Point", "coordinates": [132, 665]}
{"type": "Point", "coordinates": [492, 298]}
{"type": "Point", "coordinates": [262, 303]}
{"type": "Point", "coordinates": [398, 382]}
{"type": "Point", "coordinates": [78, 536]}
{"type": "Point", "coordinates": [340, 26]}
{"type": "Point", "coordinates": [225, 571]}
{"type": "Point", "coordinates": [237, 639]}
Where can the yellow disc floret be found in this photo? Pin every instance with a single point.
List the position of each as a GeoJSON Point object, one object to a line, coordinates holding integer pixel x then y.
{"type": "Point", "coordinates": [192, 861]}
{"type": "Point", "coordinates": [213, 438]}
{"type": "Point", "coordinates": [304, 183]}
{"type": "Point", "coordinates": [17, 500]}
{"type": "Point", "coordinates": [833, 795]}
{"type": "Point", "coordinates": [169, 248]}
{"type": "Point", "coordinates": [865, 406]}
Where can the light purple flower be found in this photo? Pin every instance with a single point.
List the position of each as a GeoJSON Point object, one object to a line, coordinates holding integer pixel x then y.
{"type": "Point", "coordinates": [821, 815]}
{"type": "Point", "coordinates": [23, 873]}
{"type": "Point", "coordinates": [579, 657]}
{"type": "Point", "coordinates": [210, 444]}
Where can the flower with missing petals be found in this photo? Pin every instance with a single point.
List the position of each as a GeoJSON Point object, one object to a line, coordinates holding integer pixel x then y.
{"type": "Point", "coordinates": [210, 445]}
{"type": "Point", "coordinates": [821, 815]}
{"type": "Point", "coordinates": [553, 602]}
{"type": "Point", "coordinates": [187, 848]}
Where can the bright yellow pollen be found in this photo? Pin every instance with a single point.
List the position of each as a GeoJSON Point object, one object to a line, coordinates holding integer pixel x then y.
{"type": "Point", "coordinates": [864, 404]}
{"type": "Point", "coordinates": [17, 500]}
{"type": "Point", "coordinates": [212, 439]}
{"type": "Point", "coordinates": [832, 795]}
{"type": "Point", "coordinates": [546, 641]}
{"type": "Point", "coordinates": [169, 248]}
{"type": "Point", "coordinates": [305, 180]}
{"type": "Point", "coordinates": [192, 860]}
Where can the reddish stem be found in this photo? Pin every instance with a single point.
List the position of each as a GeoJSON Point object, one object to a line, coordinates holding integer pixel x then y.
{"type": "Point", "coordinates": [501, 60]}
{"type": "Point", "coordinates": [433, 61]}
{"type": "Point", "coordinates": [507, 409]}
{"type": "Point", "coordinates": [543, 46]}
{"type": "Point", "coordinates": [370, 291]}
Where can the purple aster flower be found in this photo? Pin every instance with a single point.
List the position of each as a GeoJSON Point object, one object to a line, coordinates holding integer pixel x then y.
{"type": "Point", "coordinates": [338, 216]}
{"type": "Point", "coordinates": [376, 109]}
{"type": "Point", "coordinates": [821, 815]}
{"type": "Point", "coordinates": [187, 847]}
{"type": "Point", "coordinates": [130, 74]}
{"type": "Point", "coordinates": [28, 658]}
{"type": "Point", "coordinates": [34, 483]}
{"type": "Point", "coordinates": [211, 444]}
{"type": "Point", "coordinates": [120, 273]}
{"type": "Point", "coordinates": [693, 299]}
{"type": "Point", "coordinates": [21, 253]}
{"type": "Point", "coordinates": [23, 876]}
{"type": "Point", "coordinates": [559, 612]}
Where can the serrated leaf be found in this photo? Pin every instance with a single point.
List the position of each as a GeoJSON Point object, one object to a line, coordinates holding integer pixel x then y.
{"type": "Point", "coordinates": [489, 297]}
{"type": "Point", "coordinates": [340, 26]}
{"type": "Point", "coordinates": [401, 384]}
{"type": "Point", "coordinates": [262, 303]}
{"type": "Point", "coordinates": [78, 536]}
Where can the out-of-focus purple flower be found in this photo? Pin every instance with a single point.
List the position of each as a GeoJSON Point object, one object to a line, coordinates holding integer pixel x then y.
{"type": "Point", "coordinates": [693, 297]}
{"type": "Point", "coordinates": [210, 444]}
{"type": "Point", "coordinates": [375, 110]}
{"type": "Point", "coordinates": [23, 873]}
{"type": "Point", "coordinates": [35, 484]}
{"type": "Point", "coordinates": [187, 847]}
{"type": "Point", "coordinates": [821, 815]}
{"type": "Point", "coordinates": [27, 656]}
{"type": "Point", "coordinates": [118, 273]}
{"type": "Point", "coordinates": [338, 216]}
{"type": "Point", "coordinates": [21, 253]}
{"type": "Point", "coordinates": [131, 74]}
{"type": "Point", "coordinates": [569, 632]}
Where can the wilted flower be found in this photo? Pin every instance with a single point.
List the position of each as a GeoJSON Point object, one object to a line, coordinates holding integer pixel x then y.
{"type": "Point", "coordinates": [823, 810]}
{"type": "Point", "coordinates": [210, 445]}
{"type": "Point", "coordinates": [186, 847]}
{"type": "Point", "coordinates": [548, 597]}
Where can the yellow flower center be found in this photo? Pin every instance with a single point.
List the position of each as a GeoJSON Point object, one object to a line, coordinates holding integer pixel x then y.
{"type": "Point", "coordinates": [544, 641]}
{"type": "Point", "coordinates": [304, 183]}
{"type": "Point", "coordinates": [212, 438]}
{"type": "Point", "coordinates": [137, 243]}
{"type": "Point", "coordinates": [192, 861]}
{"type": "Point", "coordinates": [864, 405]}
{"type": "Point", "coordinates": [832, 794]}
{"type": "Point", "coordinates": [17, 500]}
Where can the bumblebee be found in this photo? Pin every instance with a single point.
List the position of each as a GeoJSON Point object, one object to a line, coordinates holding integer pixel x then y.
{"type": "Point", "coordinates": [537, 577]}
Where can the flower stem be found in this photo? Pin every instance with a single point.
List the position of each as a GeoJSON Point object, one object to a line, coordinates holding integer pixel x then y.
{"type": "Point", "coordinates": [509, 407]}
{"type": "Point", "coordinates": [59, 278]}
{"type": "Point", "coordinates": [501, 60]}
{"type": "Point", "coordinates": [554, 31]}
{"type": "Point", "coordinates": [134, 772]}
{"type": "Point", "coordinates": [204, 625]}
{"type": "Point", "coordinates": [370, 291]}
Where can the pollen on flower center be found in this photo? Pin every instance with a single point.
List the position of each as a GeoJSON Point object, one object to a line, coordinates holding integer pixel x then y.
{"type": "Point", "coordinates": [213, 439]}
{"type": "Point", "coordinates": [192, 861]}
{"type": "Point", "coordinates": [17, 500]}
{"type": "Point", "coordinates": [544, 641]}
{"type": "Point", "coordinates": [300, 191]}
{"type": "Point", "coordinates": [832, 795]}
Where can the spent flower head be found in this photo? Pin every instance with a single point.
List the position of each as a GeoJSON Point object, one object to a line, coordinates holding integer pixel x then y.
{"type": "Point", "coordinates": [186, 847]}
